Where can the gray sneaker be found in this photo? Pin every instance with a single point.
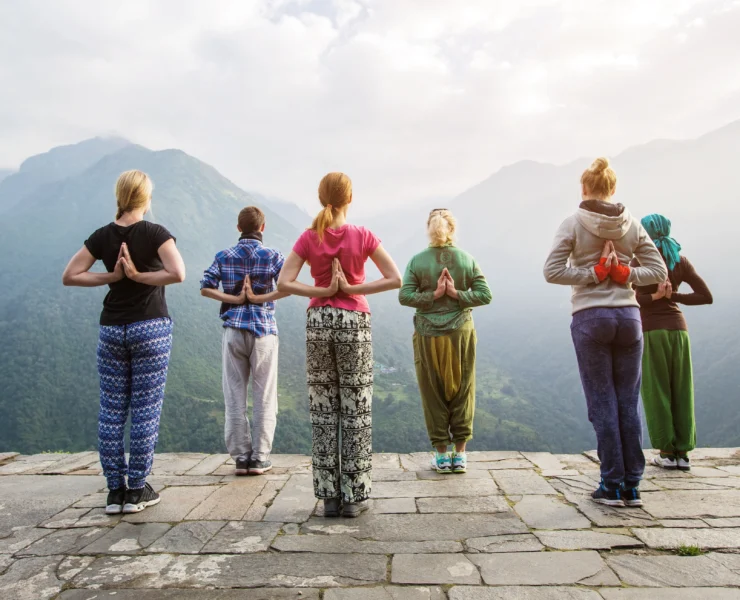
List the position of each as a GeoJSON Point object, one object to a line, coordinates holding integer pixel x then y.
{"type": "Point", "coordinates": [355, 509]}
{"type": "Point", "coordinates": [257, 467]}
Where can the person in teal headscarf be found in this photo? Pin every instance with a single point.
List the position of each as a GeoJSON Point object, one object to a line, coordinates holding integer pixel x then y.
{"type": "Point", "coordinates": [667, 377]}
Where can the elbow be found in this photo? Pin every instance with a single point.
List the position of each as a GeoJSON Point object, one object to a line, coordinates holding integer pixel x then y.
{"type": "Point", "coordinates": [710, 299]}
{"type": "Point", "coordinates": [67, 279]}
{"type": "Point", "coordinates": [203, 292]}
{"type": "Point", "coordinates": [282, 287]}
{"type": "Point", "coordinates": [396, 282]}
{"type": "Point", "coordinates": [179, 276]}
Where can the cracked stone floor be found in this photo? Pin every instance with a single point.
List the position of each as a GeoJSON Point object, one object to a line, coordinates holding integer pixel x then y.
{"type": "Point", "coordinates": [518, 525]}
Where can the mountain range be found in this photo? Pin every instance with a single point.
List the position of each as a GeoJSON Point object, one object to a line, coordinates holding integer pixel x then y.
{"type": "Point", "coordinates": [528, 396]}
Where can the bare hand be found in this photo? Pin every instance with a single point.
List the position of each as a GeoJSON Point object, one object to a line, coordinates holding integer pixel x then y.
{"type": "Point", "coordinates": [608, 249]}
{"type": "Point", "coordinates": [342, 278]}
{"type": "Point", "coordinates": [441, 286]}
{"type": "Point", "coordinates": [118, 269]}
{"type": "Point", "coordinates": [451, 290]}
{"type": "Point", "coordinates": [247, 294]}
{"type": "Point", "coordinates": [128, 265]}
{"type": "Point", "coordinates": [612, 259]}
{"type": "Point", "coordinates": [668, 289]}
{"type": "Point", "coordinates": [334, 285]}
{"type": "Point", "coordinates": [660, 293]}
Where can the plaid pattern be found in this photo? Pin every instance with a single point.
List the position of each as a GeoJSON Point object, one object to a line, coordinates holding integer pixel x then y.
{"type": "Point", "coordinates": [262, 264]}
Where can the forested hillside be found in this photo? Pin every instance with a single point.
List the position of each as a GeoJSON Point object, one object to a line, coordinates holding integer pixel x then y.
{"type": "Point", "coordinates": [48, 380]}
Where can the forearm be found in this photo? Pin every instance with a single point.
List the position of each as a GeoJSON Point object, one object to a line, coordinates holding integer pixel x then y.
{"type": "Point", "coordinates": [158, 278]}
{"type": "Point", "coordinates": [384, 284]}
{"type": "Point", "coordinates": [692, 299]}
{"type": "Point", "coordinates": [647, 299]}
{"type": "Point", "coordinates": [296, 288]}
{"type": "Point", "coordinates": [269, 297]}
{"type": "Point", "coordinates": [410, 296]}
{"type": "Point", "coordinates": [88, 279]}
{"type": "Point", "coordinates": [220, 296]}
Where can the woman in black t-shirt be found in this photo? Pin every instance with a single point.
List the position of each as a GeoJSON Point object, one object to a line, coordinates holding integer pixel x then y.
{"type": "Point", "coordinates": [135, 336]}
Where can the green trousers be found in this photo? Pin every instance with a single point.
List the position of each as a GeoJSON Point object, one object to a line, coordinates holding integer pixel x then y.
{"type": "Point", "coordinates": [668, 391]}
{"type": "Point", "coordinates": [445, 371]}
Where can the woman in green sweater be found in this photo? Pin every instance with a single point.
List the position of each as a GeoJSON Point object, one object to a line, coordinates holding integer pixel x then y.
{"type": "Point", "coordinates": [443, 284]}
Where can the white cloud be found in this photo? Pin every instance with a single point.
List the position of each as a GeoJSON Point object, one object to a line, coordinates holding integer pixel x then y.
{"type": "Point", "coordinates": [413, 99]}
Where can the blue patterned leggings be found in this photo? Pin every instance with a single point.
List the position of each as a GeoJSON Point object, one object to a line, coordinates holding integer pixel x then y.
{"type": "Point", "coordinates": [132, 363]}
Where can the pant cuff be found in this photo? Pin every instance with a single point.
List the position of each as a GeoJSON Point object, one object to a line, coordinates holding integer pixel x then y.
{"type": "Point", "coordinates": [116, 483]}
{"type": "Point", "coordinates": [136, 484]}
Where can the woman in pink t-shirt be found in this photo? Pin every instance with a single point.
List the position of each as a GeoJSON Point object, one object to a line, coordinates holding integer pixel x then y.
{"type": "Point", "coordinates": [339, 351]}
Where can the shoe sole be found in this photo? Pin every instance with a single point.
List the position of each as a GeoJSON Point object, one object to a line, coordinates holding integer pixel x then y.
{"type": "Point", "coordinates": [241, 472]}
{"type": "Point", "coordinates": [129, 509]}
{"type": "Point", "coordinates": [460, 470]}
{"type": "Point", "coordinates": [684, 469]}
{"type": "Point", "coordinates": [114, 509]}
{"type": "Point", "coordinates": [443, 471]}
{"type": "Point", "coordinates": [662, 466]}
{"type": "Point", "coordinates": [607, 502]}
{"type": "Point", "coordinates": [259, 471]}
{"type": "Point", "coordinates": [633, 503]}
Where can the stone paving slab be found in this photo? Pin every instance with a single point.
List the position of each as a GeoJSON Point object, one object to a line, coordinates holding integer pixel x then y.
{"type": "Point", "coordinates": [30, 463]}
{"type": "Point", "coordinates": [176, 504]}
{"type": "Point", "coordinates": [522, 482]}
{"type": "Point", "coordinates": [127, 538]}
{"type": "Point", "coordinates": [450, 486]}
{"type": "Point", "coordinates": [294, 503]}
{"type": "Point", "coordinates": [685, 523]}
{"type": "Point", "coordinates": [31, 579]}
{"type": "Point", "coordinates": [21, 537]}
{"type": "Point", "coordinates": [538, 568]}
{"type": "Point", "coordinates": [387, 592]}
{"type": "Point", "coordinates": [67, 518]}
{"type": "Point", "coordinates": [5, 562]}
{"type": "Point", "coordinates": [707, 539]}
{"type": "Point", "coordinates": [672, 571]}
{"type": "Point", "coordinates": [64, 541]}
{"type": "Point", "coordinates": [694, 504]}
{"type": "Point", "coordinates": [176, 463]}
{"type": "Point", "coordinates": [729, 522]}
{"type": "Point", "coordinates": [522, 593]}
{"type": "Point", "coordinates": [433, 569]}
{"type": "Point", "coordinates": [419, 528]}
{"type": "Point", "coordinates": [6, 456]}
{"type": "Point", "coordinates": [671, 594]}
{"type": "Point", "coordinates": [524, 542]}
{"type": "Point", "coordinates": [229, 502]}
{"type": "Point", "coordinates": [474, 504]}
{"type": "Point", "coordinates": [391, 506]}
{"type": "Point", "coordinates": [187, 538]}
{"type": "Point", "coordinates": [71, 566]}
{"type": "Point", "coordinates": [262, 502]}
{"type": "Point", "coordinates": [389, 475]}
{"type": "Point", "coordinates": [72, 462]}
{"type": "Point", "coordinates": [242, 537]}
{"type": "Point", "coordinates": [346, 544]}
{"type": "Point", "coordinates": [230, 571]}
{"type": "Point", "coordinates": [607, 516]}
{"type": "Point", "coordinates": [208, 465]}
{"type": "Point", "coordinates": [184, 594]}
{"type": "Point", "coordinates": [587, 540]}
{"type": "Point", "coordinates": [31, 499]}
{"type": "Point", "coordinates": [547, 512]}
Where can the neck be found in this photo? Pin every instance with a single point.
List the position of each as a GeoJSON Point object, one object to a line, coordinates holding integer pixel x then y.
{"type": "Point", "coordinates": [340, 218]}
{"type": "Point", "coordinates": [129, 218]}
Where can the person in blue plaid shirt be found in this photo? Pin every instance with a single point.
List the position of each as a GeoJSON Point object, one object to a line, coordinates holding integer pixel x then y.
{"type": "Point", "coordinates": [248, 272]}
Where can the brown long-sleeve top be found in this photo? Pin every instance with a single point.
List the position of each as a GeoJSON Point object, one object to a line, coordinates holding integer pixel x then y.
{"type": "Point", "coordinates": [665, 313]}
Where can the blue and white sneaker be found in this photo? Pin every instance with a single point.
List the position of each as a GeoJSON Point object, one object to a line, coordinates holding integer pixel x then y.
{"type": "Point", "coordinates": [604, 495]}
{"type": "Point", "coordinates": [631, 497]}
{"type": "Point", "coordinates": [459, 462]}
{"type": "Point", "coordinates": [442, 462]}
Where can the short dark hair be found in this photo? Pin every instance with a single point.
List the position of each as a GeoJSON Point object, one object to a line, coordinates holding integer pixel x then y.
{"type": "Point", "coordinates": [251, 219]}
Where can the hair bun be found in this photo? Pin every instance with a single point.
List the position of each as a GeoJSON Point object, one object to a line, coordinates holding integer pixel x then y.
{"type": "Point", "coordinates": [600, 165]}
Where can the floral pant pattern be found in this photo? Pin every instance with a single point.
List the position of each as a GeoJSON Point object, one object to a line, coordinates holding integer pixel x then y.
{"type": "Point", "coordinates": [339, 366]}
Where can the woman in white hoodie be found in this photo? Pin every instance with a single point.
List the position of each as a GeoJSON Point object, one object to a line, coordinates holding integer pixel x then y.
{"type": "Point", "coordinates": [592, 252]}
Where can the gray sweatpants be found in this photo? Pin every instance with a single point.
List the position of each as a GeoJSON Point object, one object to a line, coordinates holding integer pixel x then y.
{"type": "Point", "coordinates": [245, 355]}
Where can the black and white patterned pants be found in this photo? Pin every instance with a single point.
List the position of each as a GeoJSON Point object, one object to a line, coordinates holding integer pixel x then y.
{"type": "Point", "coordinates": [339, 367]}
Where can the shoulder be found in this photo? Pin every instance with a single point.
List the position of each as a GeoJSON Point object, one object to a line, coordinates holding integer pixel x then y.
{"type": "Point", "coordinates": [101, 231]}
{"type": "Point", "coordinates": [157, 233]}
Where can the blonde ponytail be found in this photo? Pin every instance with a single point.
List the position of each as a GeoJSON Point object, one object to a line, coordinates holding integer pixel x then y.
{"type": "Point", "coordinates": [133, 192]}
{"type": "Point", "coordinates": [599, 180]}
{"type": "Point", "coordinates": [335, 192]}
{"type": "Point", "coordinates": [441, 227]}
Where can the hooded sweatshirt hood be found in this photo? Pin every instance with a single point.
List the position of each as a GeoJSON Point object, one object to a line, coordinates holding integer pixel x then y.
{"type": "Point", "coordinates": [604, 219]}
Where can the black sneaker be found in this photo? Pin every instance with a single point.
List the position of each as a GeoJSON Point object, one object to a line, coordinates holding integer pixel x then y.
{"type": "Point", "coordinates": [138, 500]}
{"type": "Point", "coordinates": [114, 504]}
{"type": "Point", "coordinates": [242, 466]}
{"type": "Point", "coordinates": [257, 467]}
{"type": "Point", "coordinates": [355, 509]}
{"type": "Point", "coordinates": [603, 495]}
{"type": "Point", "coordinates": [331, 507]}
{"type": "Point", "coordinates": [631, 497]}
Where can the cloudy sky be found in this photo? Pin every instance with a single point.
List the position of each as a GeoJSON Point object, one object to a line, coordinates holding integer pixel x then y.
{"type": "Point", "coordinates": [413, 98]}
